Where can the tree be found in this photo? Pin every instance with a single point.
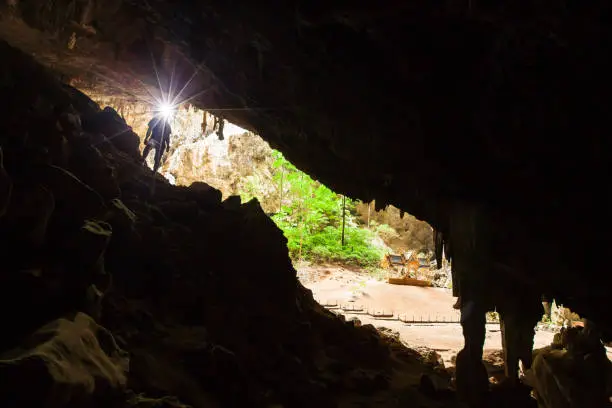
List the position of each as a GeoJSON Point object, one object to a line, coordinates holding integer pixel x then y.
{"type": "Point", "coordinates": [310, 216]}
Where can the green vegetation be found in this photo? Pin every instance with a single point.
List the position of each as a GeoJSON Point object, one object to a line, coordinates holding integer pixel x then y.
{"type": "Point", "coordinates": [310, 216]}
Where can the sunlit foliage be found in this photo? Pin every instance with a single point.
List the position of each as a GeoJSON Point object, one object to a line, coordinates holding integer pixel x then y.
{"type": "Point", "coordinates": [310, 216]}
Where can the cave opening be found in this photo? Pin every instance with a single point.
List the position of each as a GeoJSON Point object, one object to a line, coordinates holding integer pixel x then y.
{"type": "Point", "coordinates": [396, 286]}
{"type": "Point", "coordinates": [330, 237]}
{"type": "Point", "coordinates": [476, 108]}
{"type": "Point", "coordinates": [198, 150]}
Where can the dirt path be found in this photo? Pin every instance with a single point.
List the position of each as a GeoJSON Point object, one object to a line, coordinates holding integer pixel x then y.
{"type": "Point", "coordinates": [411, 301]}
{"type": "Point", "coordinates": [333, 284]}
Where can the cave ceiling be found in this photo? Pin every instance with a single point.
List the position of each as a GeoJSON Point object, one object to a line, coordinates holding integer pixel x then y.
{"type": "Point", "coordinates": [416, 104]}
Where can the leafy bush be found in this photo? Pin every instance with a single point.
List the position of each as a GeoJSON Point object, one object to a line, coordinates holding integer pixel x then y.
{"type": "Point", "coordinates": [326, 245]}
{"type": "Point", "coordinates": [310, 216]}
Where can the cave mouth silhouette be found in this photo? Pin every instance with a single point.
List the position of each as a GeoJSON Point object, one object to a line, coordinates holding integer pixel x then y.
{"type": "Point", "coordinates": [481, 112]}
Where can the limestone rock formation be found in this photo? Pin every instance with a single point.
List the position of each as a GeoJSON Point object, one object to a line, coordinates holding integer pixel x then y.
{"type": "Point", "coordinates": [229, 165]}
{"type": "Point", "coordinates": [200, 292]}
{"type": "Point", "coordinates": [232, 165]}
{"type": "Point", "coordinates": [68, 362]}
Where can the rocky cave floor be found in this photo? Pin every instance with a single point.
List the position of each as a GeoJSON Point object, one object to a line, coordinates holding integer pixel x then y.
{"type": "Point", "coordinates": [118, 289]}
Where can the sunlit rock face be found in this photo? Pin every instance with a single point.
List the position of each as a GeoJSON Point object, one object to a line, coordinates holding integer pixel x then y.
{"type": "Point", "coordinates": [232, 165]}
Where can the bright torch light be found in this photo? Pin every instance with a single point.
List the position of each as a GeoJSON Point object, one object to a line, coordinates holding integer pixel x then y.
{"type": "Point", "coordinates": [166, 110]}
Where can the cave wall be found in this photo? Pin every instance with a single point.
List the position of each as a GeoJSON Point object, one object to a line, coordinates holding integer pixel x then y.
{"type": "Point", "coordinates": [407, 234]}
{"type": "Point", "coordinates": [197, 154]}
{"type": "Point", "coordinates": [196, 294]}
{"type": "Point", "coordinates": [501, 106]}
{"type": "Point", "coordinates": [233, 165]}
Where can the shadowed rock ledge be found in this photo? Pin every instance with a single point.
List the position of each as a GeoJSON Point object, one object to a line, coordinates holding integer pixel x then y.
{"type": "Point", "coordinates": [118, 289]}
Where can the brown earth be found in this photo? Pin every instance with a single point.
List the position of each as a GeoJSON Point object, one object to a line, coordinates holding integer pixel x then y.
{"type": "Point", "coordinates": [336, 284]}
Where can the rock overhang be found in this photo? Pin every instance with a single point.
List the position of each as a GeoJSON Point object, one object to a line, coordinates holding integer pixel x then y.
{"type": "Point", "coordinates": [415, 105]}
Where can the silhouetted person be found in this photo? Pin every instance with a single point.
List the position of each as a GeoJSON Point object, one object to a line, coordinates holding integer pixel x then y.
{"type": "Point", "coordinates": [158, 138]}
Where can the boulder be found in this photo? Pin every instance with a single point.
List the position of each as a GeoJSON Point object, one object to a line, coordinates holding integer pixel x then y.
{"type": "Point", "coordinates": [206, 196]}
{"type": "Point", "coordinates": [81, 102]}
{"type": "Point", "coordinates": [68, 189]}
{"type": "Point", "coordinates": [433, 358]}
{"type": "Point", "coordinates": [83, 264]}
{"type": "Point", "coordinates": [232, 203]}
{"type": "Point", "coordinates": [434, 383]}
{"type": "Point", "coordinates": [68, 362]}
{"type": "Point", "coordinates": [88, 246]}
{"type": "Point", "coordinates": [69, 121]}
{"type": "Point", "coordinates": [121, 216]}
{"type": "Point", "coordinates": [90, 164]}
{"type": "Point", "coordinates": [577, 374]}
{"type": "Point", "coordinates": [109, 123]}
{"type": "Point", "coordinates": [29, 214]}
{"type": "Point", "coordinates": [354, 321]}
{"type": "Point", "coordinates": [365, 381]}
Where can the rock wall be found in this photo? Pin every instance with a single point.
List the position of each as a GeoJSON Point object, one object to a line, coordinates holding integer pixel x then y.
{"type": "Point", "coordinates": [503, 105]}
{"type": "Point", "coordinates": [198, 291]}
{"type": "Point", "coordinates": [196, 152]}
{"type": "Point", "coordinates": [408, 232]}
{"type": "Point", "coordinates": [228, 165]}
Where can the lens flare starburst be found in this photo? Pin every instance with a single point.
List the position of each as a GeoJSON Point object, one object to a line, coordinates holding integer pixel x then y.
{"type": "Point", "coordinates": [166, 110]}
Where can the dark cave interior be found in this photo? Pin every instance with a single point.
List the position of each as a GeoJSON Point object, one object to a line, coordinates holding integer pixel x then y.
{"type": "Point", "coordinates": [495, 113]}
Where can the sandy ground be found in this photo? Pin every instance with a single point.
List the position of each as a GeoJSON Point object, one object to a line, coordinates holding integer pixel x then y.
{"type": "Point", "coordinates": [348, 288]}
{"type": "Point", "coordinates": [333, 285]}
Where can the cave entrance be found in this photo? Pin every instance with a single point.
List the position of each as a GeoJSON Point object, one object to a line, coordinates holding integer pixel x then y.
{"type": "Point", "coordinates": [201, 143]}
{"type": "Point", "coordinates": [370, 266]}
{"type": "Point", "coordinates": [340, 247]}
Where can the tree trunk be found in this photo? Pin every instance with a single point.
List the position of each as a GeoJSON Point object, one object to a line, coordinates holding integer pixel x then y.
{"type": "Point", "coordinates": [280, 200]}
{"type": "Point", "coordinates": [343, 217]}
{"type": "Point", "coordinates": [301, 220]}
